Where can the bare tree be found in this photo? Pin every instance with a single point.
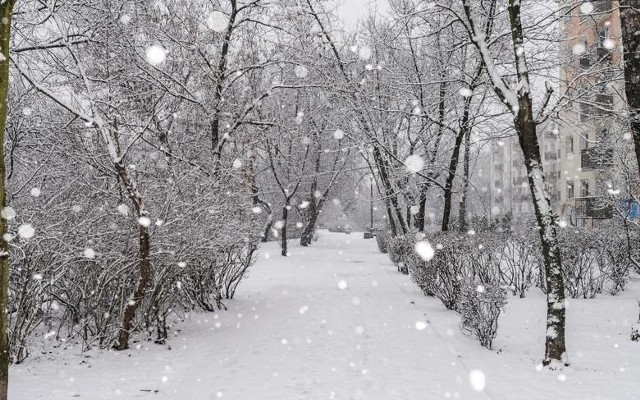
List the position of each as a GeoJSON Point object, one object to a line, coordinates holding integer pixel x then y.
{"type": "Point", "coordinates": [6, 10]}
{"type": "Point", "coordinates": [518, 99]}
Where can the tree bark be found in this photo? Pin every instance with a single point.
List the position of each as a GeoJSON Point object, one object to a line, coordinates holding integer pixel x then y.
{"type": "Point", "coordinates": [393, 207]}
{"type": "Point", "coordinates": [6, 9]}
{"type": "Point", "coordinates": [420, 217]}
{"type": "Point", "coordinates": [307, 234]}
{"type": "Point", "coordinates": [465, 131]}
{"type": "Point", "coordinates": [555, 347]}
{"type": "Point", "coordinates": [630, 19]}
{"type": "Point", "coordinates": [448, 187]}
{"type": "Point", "coordinates": [145, 264]}
{"type": "Point", "coordinates": [283, 232]}
{"type": "Point", "coordinates": [465, 183]}
{"type": "Point", "coordinates": [520, 105]}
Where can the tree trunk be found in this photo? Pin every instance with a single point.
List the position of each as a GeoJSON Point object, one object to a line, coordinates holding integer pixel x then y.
{"type": "Point", "coordinates": [419, 219]}
{"type": "Point", "coordinates": [448, 187]}
{"type": "Point", "coordinates": [393, 207]}
{"type": "Point", "coordinates": [267, 228]}
{"type": "Point", "coordinates": [555, 347]}
{"type": "Point", "coordinates": [221, 70]}
{"type": "Point", "coordinates": [145, 264]}
{"type": "Point", "coordinates": [307, 234]}
{"type": "Point", "coordinates": [6, 8]}
{"type": "Point", "coordinates": [520, 105]}
{"type": "Point", "coordinates": [465, 183]}
{"type": "Point", "coordinates": [283, 232]}
{"type": "Point", "coordinates": [630, 19]}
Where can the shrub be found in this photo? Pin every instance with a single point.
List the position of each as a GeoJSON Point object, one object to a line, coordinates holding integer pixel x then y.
{"type": "Point", "coordinates": [480, 307]}
{"type": "Point", "coordinates": [402, 253]}
{"type": "Point", "coordinates": [442, 276]}
{"type": "Point", "coordinates": [382, 239]}
{"type": "Point", "coordinates": [521, 255]}
{"type": "Point", "coordinates": [581, 252]}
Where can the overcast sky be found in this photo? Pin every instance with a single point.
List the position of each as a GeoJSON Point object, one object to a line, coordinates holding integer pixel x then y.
{"type": "Point", "coordinates": [352, 10]}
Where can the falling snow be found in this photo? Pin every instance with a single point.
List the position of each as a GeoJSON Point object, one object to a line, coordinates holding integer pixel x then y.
{"type": "Point", "coordinates": [155, 54]}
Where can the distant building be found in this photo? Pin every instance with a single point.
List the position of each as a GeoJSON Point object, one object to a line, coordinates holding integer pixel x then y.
{"type": "Point", "coordinates": [574, 146]}
{"type": "Point", "coordinates": [591, 74]}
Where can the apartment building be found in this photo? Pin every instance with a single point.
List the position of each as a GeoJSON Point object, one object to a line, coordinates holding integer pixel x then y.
{"type": "Point", "coordinates": [573, 146]}
{"type": "Point", "coordinates": [509, 184]}
{"type": "Point", "coordinates": [590, 75]}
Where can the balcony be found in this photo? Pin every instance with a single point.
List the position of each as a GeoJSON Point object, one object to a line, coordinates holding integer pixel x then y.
{"type": "Point", "coordinates": [591, 207]}
{"type": "Point", "coordinates": [596, 158]}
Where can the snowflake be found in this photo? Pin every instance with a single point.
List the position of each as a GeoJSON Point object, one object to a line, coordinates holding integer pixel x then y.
{"type": "Point", "coordinates": [217, 21]}
{"type": "Point", "coordinates": [156, 54]}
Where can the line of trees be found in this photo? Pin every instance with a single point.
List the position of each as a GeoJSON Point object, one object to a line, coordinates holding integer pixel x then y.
{"type": "Point", "coordinates": [148, 147]}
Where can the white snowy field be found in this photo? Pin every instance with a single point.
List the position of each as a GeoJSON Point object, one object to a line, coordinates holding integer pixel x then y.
{"type": "Point", "coordinates": [337, 321]}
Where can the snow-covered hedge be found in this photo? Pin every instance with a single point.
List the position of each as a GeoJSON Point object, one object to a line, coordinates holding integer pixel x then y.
{"type": "Point", "coordinates": [464, 273]}
{"type": "Point", "coordinates": [594, 261]}
{"type": "Point", "coordinates": [382, 240]}
{"type": "Point", "coordinates": [480, 307]}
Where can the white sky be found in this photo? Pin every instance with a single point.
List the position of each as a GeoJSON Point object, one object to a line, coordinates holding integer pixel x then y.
{"type": "Point", "coordinates": [350, 11]}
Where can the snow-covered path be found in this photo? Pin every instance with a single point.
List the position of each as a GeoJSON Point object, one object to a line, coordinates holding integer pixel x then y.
{"type": "Point", "coordinates": [296, 332]}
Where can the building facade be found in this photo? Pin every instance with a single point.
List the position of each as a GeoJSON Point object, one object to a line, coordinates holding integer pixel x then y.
{"type": "Point", "coordinates": [575, 145]}
{"type": "Point", "coordinates": [591, 76]}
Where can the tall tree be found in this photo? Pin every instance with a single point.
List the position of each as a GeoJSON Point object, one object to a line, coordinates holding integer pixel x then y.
{"type": "Point", "coordinates": [518, 99]}
{"type": "Point", "coordinates": [6, 10]}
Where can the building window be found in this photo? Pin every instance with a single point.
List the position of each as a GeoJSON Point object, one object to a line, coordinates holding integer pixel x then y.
{"type": "Point", "coordinates": [584, 141]}
{"type": "Point", "coordinates": [570, 145]}
{"type": "Point", "coordinates": [570, 191]}
{"type": "Point", "coordinates": [584, 188]}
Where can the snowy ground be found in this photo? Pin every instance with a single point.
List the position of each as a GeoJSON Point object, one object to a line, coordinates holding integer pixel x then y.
{"type": "Point", "coordinates": [336, 321]}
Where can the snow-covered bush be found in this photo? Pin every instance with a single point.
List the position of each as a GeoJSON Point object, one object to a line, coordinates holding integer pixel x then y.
{"type": "Point", "coordinates": [382, 240]}
{"type": "Point", "coordinates": [402, 253]}
{"type": "Point", "coordinates": [520, 262]}
{"type": "Point", "coordinates": [485, 255]}
{"type": "Point", "coordinates": [444, 274]}
{"type": "Point", "coordinates": [619, 245]}
{"type": "Point", "coordinates": [480, 307]}
{"type": "Point", "coordinates": [581, 253]}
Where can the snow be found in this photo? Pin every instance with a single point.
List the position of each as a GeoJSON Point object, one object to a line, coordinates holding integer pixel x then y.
{"type": "Point", "coordinates": [586, 7]}
{"type": "Point", "coordinates": [217, 21]}
{"type": "Point", "coordinates": [89, 253]}
{"type": "Point", "coordinates": [424, 250]}
{"type": "Point", "coordinates": [155, 54]}
{"type": "Point", "coordinates": [301, 71]}
{"type": "Point", "coordinates": [144, 221]}
{"type": "Point", "coordinates": [26, 231]}
{"type": "Point", "coordinates": [123, 209]}
{"type": "Point", "coordinates": [292, 334]}
{"type": "Point", "coordinates": [8, 213]}
{"type": "Point", "coordinates": [478, 380]}
{"type": "Point", "coordinates": [365, 53]}
{"type": "Point", "coordinates": [414, 163]}
{"type": "Point", "coordinates": [465, 92]}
